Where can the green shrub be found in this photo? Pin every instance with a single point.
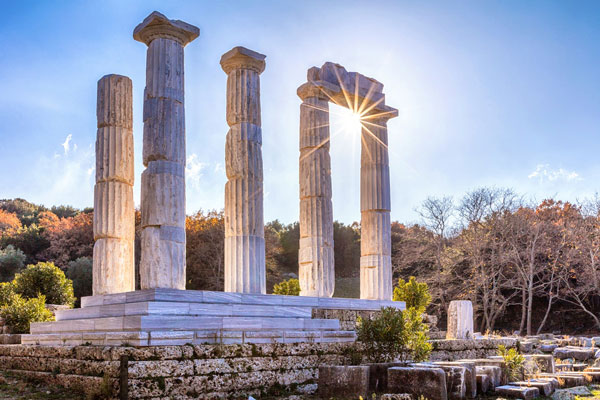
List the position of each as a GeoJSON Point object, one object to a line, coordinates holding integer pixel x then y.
{"type": "Point", "coordinates": [7, 290]}
{"type": "Point", "coordinates": [415, 294]}
{"type": "Point", "coordinates": [80, 272]}
{"type": "Point", "coordinates": [513, 361]}
{"type": "Point", "coordinates": [12, 260]}
{"type": "Point", "coordinates": [290, 287]}
{"type": "Point", "coordinates": [46, 279]}
{"type": "Point", "coordinates": [394, 335]}
{"type": "Point", "coordinates": [20, 312]}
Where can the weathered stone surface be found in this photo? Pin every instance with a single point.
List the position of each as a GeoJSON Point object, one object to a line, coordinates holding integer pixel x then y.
{"type": "Point", "coordinates": [162, 261]}
{"type": "Point", "coordinates": [418, 381]}
{"type": "Point", "coordinates": [113, 265]}
{"type": "Point", "coordinates": [378, 376]}
{"type": "Point", "coordinates": [494, 374]}
{"type": "Point", "coordinates": [315, 255]}
{"type": "Point", "coordinates": [460, 320]}
{"type": "Point", "coordinates": [375, 205]}
{"type": "Point", "coordinates": [340, 381]}
{"type": "Point", "coordinates": [244, 224]}
{"type": "Point", "coordinates": [483, 384]}
{"type": "Point", "coordinates": [114, 219]}
{"type": "Point", "coordinates": [576, 353]}
{"type": "Point", "coordinates": [525, 393]}
{"type": "Point", "coordinates": [546, 388]}
{"type": "Point", "coordinates": [470, 379]}
{"type": "Point", "coordinates": [543, 361]}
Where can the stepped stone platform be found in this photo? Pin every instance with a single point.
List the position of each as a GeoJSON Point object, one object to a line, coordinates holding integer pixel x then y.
{"type": "Point", "coordinates": [170, 317]}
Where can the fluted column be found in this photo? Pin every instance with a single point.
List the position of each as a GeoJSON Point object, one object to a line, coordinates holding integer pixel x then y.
{"type": "Point", "coordinates": [315, 256]}
{"type": "Point", "coordinates": [114, 219]}
{"type": "Point", "coordinates": [376, 243]}
{"type": "Point", "coordinates": [162, 263]}
{"type": "Point", "coordinates": [244, 224]}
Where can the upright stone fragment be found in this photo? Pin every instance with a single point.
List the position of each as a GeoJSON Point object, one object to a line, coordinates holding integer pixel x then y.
{"type": "Point", "coordinates": [460, 320]}
{"type": "Point", "coordinates": [315, 256]}
{"type": "Point", "coordinates": [376, 239]}
{"type": "Point", "coordinates": [162, 263]}
{"type": "Point", "coordinates": [114, 218]}
{"type": "Point", "coordinates": [244, 224]}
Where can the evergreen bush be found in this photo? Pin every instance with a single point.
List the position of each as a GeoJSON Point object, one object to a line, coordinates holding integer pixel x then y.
{"type": "Point", "coordinates": [46, 279]}
{"type": "Point", "coordinates": [291, 287]}
{"type": "Point", "coordinates": [20, 312]}
{"type": "Point", "coordinates": [415, 294]}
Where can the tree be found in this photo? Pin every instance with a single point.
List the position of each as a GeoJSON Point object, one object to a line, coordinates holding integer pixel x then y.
{"type": "Point", "coordinates": [11, 261]}
{"type": "Point", "coordinates": [205, 257]}
{"type": "Point", "coordinates": [291, 287]}
{"type": "Point", "coordinates": [63, 211]}
{"type": "Point", "coordinates": [80, 272]}
{"type": "Point", "coordinates": [9, 223]}
{"type": "Point", "coordinates": [70, 238]}
{"type": "Point", "coordinates": [26, 212]}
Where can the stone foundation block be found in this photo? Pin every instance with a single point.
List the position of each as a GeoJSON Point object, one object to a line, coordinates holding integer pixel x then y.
{"type": "Point", "coordinates": [418, 381]}
{"type": "Point", "coordinates": [340, 381]}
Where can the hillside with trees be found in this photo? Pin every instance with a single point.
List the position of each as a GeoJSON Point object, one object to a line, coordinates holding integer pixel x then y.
{"type": "Point", "coordinates": [527, 267]}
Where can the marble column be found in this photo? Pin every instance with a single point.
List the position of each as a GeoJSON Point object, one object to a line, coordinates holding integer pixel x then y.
{"type": "Point", "coordinates": [244, 224]}
{"type": "Point", "coordinates": [460, 320]}
{"type": "Point", "coordinates": [315, 256]}
{"type": "Point", "coordinates": [114, 218]}
{"type": "Point", "coordinates": [375, 243]}
{"type": "Point", "coordinates": [162, 263]}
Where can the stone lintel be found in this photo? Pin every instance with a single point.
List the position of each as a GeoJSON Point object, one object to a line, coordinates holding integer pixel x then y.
{"type": "Point", "coordinates": [156, 25]}
{"type": "Point", "coordinates": [242, 58]}
{"type": "Point", "coordinates": [371, 104]}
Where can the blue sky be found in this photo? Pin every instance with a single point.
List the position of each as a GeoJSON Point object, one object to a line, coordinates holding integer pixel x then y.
{"type": "Point", "coordinates": [495, 93]}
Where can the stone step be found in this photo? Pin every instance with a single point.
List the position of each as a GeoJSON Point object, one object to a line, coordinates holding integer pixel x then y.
{"type": "Point", "coordinates": [211, 297]}
{"type": "Point", "coordinates": [545, 387]}
{"type": "Point", "coordinates": [160, 322]}
{"type": "Point", "coordinates": [565, 380]}
{"type": "Point", "coordinates": [589, 376]}
{"type": "Point", "coordinates": [158, 337]}
{"type": "Point", "coordinates": [182, 308]}
{"type": "Point", "coordinates": [519, 392]}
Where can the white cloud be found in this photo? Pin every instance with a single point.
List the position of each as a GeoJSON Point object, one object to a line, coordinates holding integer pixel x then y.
{"type": "Point", "coordinates": [67, 144]}
{"type": "Point", "coordinates": [194, 170]}
{"type": "Point", "coordinates": [543, 173]}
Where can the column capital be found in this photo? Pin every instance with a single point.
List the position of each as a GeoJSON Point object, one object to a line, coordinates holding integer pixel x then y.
{"type": "Point", "coordinates": [381, 114]}
{"type": "Point", "coordinates": [314, 89]}
{"type": "Point", "coordinates": [242, 58]}
{"type": "Point", "coordinates": [156, 25]}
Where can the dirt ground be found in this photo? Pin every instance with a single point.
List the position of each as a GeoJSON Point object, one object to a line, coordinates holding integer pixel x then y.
{"type": "Point", "coordinates": [12, 388]}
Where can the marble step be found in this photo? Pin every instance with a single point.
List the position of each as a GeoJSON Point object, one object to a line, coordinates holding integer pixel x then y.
{"type": "Point", "coordinates": [203, 296]}
{"type": "Point", "coordinates": [158, 337]}
{"type": "Point", "coordinates": [162, 322]}
{"type": "Point", "coordinates": [182, 308]}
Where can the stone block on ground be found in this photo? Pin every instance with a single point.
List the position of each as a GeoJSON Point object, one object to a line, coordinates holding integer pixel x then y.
{"type": "Point", "coordinates": [340, 381]}
{"type": "Point", "coordinates": [470, 377]}
{"type": "Point", "coordinates": [418, 381]}
{"type": "Point", "coordinates": [565, 380]}
{"type": "Point", "coordinates": [526, 393]}
{"type": "Point", "coordinates": [546, 388]}
{"type": "Point", "coordinates": [378, 375]}
{"type": "Point", "coordinates": [493, 372]}
{"type": "Point", "coordinates": [577, 353]}
{"type": "Point", "coordinates": [483, 384]}
{"type": "Point", "coordinates": [545, 362]}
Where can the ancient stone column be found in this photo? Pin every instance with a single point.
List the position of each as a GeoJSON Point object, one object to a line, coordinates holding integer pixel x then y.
{"type": "Point", "coordinates": [375, 237]}
{"type": "Point", "coordinates": [162, 262]}
{"type": "Point", "coordinates": [114, 218]}
{"type": "Point", "coordinates": [460, 320]}
{"type": "Point", "coordinates": [244, 224]}
{"type": "Point", "coordinates": [315, 257]}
